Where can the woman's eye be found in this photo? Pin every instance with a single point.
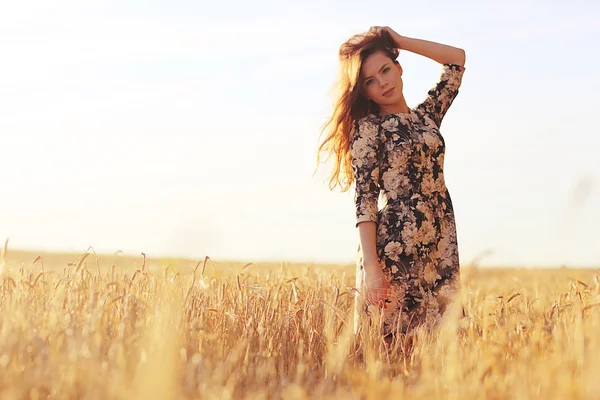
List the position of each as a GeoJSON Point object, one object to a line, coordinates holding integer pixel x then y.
{"type": "Point", "coordinates": [386, 69]}
{"type": "Point", "coordinates": [369, 82]}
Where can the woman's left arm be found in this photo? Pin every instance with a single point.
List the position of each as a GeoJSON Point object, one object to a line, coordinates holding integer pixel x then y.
{"type": "Point", "coordinates": [442, 53]}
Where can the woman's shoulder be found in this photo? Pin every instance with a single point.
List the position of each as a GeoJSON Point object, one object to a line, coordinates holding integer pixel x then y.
{"type": "Point", "coordinates": [370, 119]}
{"type": "Point", "coordinates": [367, 125]}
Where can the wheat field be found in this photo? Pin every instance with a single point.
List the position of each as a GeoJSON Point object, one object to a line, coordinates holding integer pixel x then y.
{"type": "Point", "coordinates": [119, 327]}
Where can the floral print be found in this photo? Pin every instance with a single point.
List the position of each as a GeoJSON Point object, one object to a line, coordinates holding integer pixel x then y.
{"type": "Point", "coordinates": [401, 157]}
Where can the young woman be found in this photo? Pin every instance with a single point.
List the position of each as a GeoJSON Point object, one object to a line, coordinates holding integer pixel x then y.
{"type": "Point", "coordinates": [407, 260]}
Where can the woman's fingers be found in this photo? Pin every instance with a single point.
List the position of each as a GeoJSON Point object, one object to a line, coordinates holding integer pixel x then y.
{"type": "Point", "coordinates": [376, 30]}
{"type": "Point", "coordinates": [379, 30]}
{"type": "Point", "coordinates": [377, 295]}
{"type": "Point", "coordinates": [371, 296]}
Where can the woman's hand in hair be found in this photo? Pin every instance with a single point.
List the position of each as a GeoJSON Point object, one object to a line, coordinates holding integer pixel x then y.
{"type": "Point", "coordinates": [392, 38]}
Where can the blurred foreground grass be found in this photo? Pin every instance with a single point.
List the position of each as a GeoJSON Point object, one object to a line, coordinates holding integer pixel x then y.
{"type": "Point", "coordinates": [88, 327]}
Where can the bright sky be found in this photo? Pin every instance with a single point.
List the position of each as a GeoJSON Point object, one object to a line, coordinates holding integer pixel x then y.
{"type": "Point", "coordinates": [189, 128]}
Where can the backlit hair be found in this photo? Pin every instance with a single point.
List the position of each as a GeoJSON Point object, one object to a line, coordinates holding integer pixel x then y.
{"type": "Point", "coordinates": [350, 103]}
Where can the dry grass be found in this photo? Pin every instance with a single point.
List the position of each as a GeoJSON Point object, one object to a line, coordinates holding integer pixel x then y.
{"type": "Point", "coordinates": [114, 327]}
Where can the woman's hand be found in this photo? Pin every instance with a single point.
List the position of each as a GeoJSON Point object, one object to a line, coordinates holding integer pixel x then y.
{"type": "Point", "coordinates": [389, 34]}
{"type": "Point", "coordinates": [375, 285]}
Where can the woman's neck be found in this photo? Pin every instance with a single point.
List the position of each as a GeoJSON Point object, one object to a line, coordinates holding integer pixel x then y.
{"type": "Point", "coordinates": [399, 107]}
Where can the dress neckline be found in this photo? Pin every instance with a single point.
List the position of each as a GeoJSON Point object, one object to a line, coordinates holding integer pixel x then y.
{"type": "Point", "coordinates": [410, 113]}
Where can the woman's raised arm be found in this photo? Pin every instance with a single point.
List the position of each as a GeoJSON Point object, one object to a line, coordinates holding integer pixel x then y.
{"type": "Point", "coordinates": [442, 53]}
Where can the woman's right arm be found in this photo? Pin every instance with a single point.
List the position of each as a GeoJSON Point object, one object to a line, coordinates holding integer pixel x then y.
{"type": "Point", "coordinates": [366, 153]}
{"type": "Point", "coordinates": [375, 287]}
{"type": "Point", "coordinates": [367, 233]}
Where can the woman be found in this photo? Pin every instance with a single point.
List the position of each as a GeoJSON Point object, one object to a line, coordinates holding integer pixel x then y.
{"type": "Point", "coordinates": [407, 261]}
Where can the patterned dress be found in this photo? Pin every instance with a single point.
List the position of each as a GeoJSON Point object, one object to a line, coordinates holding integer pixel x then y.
{"type": "Point", "coordinates": [401, 157]}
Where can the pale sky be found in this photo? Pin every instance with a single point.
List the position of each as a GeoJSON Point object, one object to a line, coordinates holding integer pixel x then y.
{"type": "Point", "coordinates": [189, 128]}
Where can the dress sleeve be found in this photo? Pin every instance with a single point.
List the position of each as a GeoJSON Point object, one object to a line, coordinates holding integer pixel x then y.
{"type": "Point", "coordinates": [441, 96]}
{"type": "Point", "coordinates": [365, 149]}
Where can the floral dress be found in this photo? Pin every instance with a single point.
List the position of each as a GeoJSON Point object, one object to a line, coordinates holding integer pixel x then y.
{"type": "Point", "coordinates": [401, 157]}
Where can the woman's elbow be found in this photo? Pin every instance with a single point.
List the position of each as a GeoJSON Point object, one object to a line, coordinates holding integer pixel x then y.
{"type": "Point", "coordinates": [461, 57]}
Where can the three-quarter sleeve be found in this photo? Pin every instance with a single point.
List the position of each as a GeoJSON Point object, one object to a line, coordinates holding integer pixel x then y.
{"type": "Point", "coordinates": [365, 149]}
{"type": "Point", "coordinates": [441, 96]}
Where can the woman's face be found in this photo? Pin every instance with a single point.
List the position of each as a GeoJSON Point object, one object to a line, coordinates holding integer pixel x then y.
{"type": "Point", "coordinates": [381, 79]}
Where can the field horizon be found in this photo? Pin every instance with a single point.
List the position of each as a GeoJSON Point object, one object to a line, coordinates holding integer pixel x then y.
{"type": "Point", "coordinates": [24, 256]}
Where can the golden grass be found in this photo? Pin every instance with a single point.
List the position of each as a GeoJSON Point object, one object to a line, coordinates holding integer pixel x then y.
{"type": "Point", "coordinates": [130, 328]}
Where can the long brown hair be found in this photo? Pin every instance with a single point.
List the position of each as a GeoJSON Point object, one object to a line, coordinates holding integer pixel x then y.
{"type": "Point", "coordinates": [350, 103]}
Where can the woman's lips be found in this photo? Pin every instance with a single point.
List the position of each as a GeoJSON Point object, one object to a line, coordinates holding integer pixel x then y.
{"type": "Point", "coordinates": [389, 92]}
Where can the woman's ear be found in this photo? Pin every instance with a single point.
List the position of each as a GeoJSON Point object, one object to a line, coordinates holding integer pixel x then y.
{"type": "Point", "coordinates": [399, 68]}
